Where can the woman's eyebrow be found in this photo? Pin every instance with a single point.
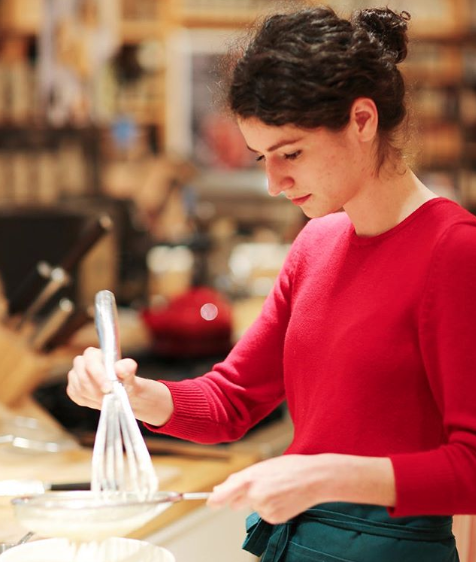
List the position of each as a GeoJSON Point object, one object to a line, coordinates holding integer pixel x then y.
{"type": "Point", "coordinates": [279, 144]}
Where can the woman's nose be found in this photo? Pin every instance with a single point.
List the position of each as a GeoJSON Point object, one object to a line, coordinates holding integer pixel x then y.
{"type": "Point", "coordinates": [277, 182]}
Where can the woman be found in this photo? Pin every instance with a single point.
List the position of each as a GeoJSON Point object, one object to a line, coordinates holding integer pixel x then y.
{"type": "Point", "coordinates": [369, 331]}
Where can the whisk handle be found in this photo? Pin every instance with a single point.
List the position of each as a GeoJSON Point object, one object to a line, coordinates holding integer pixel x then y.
{"type": "Point", "coordinates": [107, 328]}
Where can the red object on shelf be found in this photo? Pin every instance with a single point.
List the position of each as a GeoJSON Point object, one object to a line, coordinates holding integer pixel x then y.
{"type": "Point", "coordinates": [182, 328]}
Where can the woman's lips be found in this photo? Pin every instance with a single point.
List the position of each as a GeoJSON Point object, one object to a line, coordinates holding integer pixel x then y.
{"type": "Point", "coordinates": [300, 200]}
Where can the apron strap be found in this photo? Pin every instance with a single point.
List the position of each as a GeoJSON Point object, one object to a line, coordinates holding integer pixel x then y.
{"type": "Point", "coordinates": [263, 537]}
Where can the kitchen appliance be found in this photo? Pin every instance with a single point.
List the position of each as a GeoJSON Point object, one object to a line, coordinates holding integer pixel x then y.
{"type": "Point", "coordinates": [117, 427]}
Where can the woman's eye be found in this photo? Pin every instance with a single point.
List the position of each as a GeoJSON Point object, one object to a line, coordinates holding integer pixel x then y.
{"type": "Point", "coordinates": [259, 158]}
{"type": "Point", "coordinates": [293, 155]}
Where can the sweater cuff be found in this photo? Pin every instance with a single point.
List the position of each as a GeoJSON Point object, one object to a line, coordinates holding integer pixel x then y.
{"type": "Point", "coordinates": [421, 480]}
{"type": "Point", "coordinates": [187, 397]}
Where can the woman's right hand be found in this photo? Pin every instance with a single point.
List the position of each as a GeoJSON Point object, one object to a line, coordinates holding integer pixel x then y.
{"type": "Point", "coordinates": [151, 401]}
{"type": "Point", "coordinates": [87, 380]}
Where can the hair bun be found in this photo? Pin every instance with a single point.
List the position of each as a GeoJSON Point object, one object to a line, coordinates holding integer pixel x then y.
{"type": "Point", "coordinates": [388, 26]}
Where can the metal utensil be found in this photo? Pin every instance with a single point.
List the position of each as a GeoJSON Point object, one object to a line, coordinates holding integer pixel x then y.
{"type": "Point", "coordinates": [75, 322]}
{"type": "Point", "coordinates": [51, 324]}
{"type": "Point", "coordinates": [7, 545]}
{"type": "Point", "coordinates": [33, 283]}
{"type": "Point", "coordinates": [79, 515]}
{"type": "Point", "coordinates": [24, 487]}
{"type": "Point", "coordinates": [117, 429]}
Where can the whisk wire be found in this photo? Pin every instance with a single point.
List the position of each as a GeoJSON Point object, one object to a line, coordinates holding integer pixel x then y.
{"type": "Point", "coordinates": [118, 431]}
{"type": "Point", "coordinates": [97, 468]}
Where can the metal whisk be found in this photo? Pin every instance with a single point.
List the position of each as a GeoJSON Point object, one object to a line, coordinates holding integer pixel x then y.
{"type": "Point", "coordinates": [117, 431]}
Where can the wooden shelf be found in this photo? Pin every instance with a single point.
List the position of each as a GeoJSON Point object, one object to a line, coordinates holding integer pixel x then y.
{"type": "Point", "coordinates": [21, 16]}
{"type": "Point", "coordinates": [439, 35]}
{"type": "Point", "coordinates": [213, 19]}
{"type": "Point", "coordinates": [138, 31]}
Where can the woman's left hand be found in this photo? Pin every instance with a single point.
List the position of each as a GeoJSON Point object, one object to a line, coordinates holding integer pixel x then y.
{"type": "Point", "coordinates": [280, 488]}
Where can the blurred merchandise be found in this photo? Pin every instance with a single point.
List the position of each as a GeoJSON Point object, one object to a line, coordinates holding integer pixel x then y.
{"type": "Point", "coordinates": [443, 184]}
{"type": "Point", "coordinates": [468, 192]}
{"type": "Point", "coordinates": [255, 266]}
{"type": "Point", "coordinates": [76, 41]}
{"type": "Point", "coordinates": [18, 82]}
{"type": "Point", "coordinates": [43, 165]}
{"type": "Point", "coordinates": [164, 201]}
{"type": "Point", "coordinates": [140, 10]}
{"type": "Point", "coordinates": [170, 272]}
{"type": "Point", "coordinates": [197, 323]}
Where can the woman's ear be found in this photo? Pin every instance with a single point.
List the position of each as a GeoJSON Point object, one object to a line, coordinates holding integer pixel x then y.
{"type": "Point", "coordinates": [364, 119]}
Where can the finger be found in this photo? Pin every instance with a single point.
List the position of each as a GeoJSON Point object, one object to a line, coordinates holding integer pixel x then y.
{"type": "Point", "coordinates": [241, 501]}
{"type": "Point", "coordinates": [72, 388]}
{"type": "Point", "coordinates": [90, 373]}
{"type": "Point", "coordinates": [237, 501]}
{"type": "Point", "coordinates": [232, 490]}
{"type": "Point", "coordinates": [95, 371]}
{"type": "Point", "coordinates": [126, 370]}
{"type": "Point", "coordinates": [80, 393]}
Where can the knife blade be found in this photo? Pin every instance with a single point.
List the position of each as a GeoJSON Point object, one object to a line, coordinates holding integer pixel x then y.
{"type": "Point", "coordinates": [34, 282]}
{"type": "Point", "coordinates": [74, 323]}
{"type": "Point", "coordinates": [58, 279]}
{"type": "Point", "coordinates": [52, 324]}
{"type": "Point", "coordinates": [29, 487]}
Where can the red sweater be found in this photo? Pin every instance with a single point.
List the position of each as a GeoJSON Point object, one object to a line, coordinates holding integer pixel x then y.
{"type": "Point", "coordinates": [372, 342]}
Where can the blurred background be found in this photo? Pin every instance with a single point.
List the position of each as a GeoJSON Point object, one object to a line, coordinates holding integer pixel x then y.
{"type": "Point", "coordinates": [119, 170]}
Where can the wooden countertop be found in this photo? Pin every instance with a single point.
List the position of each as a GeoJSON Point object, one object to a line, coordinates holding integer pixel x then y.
{"type": "Point", "coordinates": [181, 468]}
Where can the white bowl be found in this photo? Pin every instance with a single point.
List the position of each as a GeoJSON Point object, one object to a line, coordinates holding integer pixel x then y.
{"type": "Point", "coordinates": [110, 550]}
{"type": "Point", "coordinates": [85, 515]}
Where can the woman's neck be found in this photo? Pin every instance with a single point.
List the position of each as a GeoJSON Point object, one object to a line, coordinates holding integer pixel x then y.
{"type": "Point", "coordinates": [386, 201]}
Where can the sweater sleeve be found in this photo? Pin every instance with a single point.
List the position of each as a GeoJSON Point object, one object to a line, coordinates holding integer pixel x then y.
{"type": "Point", "coordinates": [224, 404]}
{"type": "Point", "coordinates": [443, 481]}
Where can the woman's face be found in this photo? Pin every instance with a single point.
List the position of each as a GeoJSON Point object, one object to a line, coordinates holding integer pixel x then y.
{"type": "Point", "coordinates": [317, 169]}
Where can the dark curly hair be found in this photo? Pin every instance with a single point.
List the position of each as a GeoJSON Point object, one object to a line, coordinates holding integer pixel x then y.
{"type": "Point", "coordinates": [307, 67]}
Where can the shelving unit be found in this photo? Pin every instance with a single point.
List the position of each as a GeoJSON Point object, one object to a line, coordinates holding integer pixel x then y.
{"type": "Point", "coordinates": [217, 13]}
{"type": "Point", "coordinates": [443, 102]}
{"type": "Point", "coordinates": [21, 16]}
{"type": "Point", "coordinates": [134, 100]}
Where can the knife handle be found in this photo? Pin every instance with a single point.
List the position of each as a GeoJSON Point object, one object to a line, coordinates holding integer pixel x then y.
{"type": "Point", "coordinates": [69, 486]}
{"type": "Point", "coordinates": [37, 279]}
{"type": "Point", "coordinates": [92, 233]}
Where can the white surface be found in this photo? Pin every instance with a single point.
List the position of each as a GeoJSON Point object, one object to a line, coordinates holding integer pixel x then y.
{"type": "Point", "coordinates": [111, 550]}
{"type": "Point", "coordinates": [206, 535]}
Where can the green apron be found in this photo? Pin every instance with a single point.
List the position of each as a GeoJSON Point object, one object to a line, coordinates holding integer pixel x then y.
{"type": "Point", "coordinates": [346, 532]}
